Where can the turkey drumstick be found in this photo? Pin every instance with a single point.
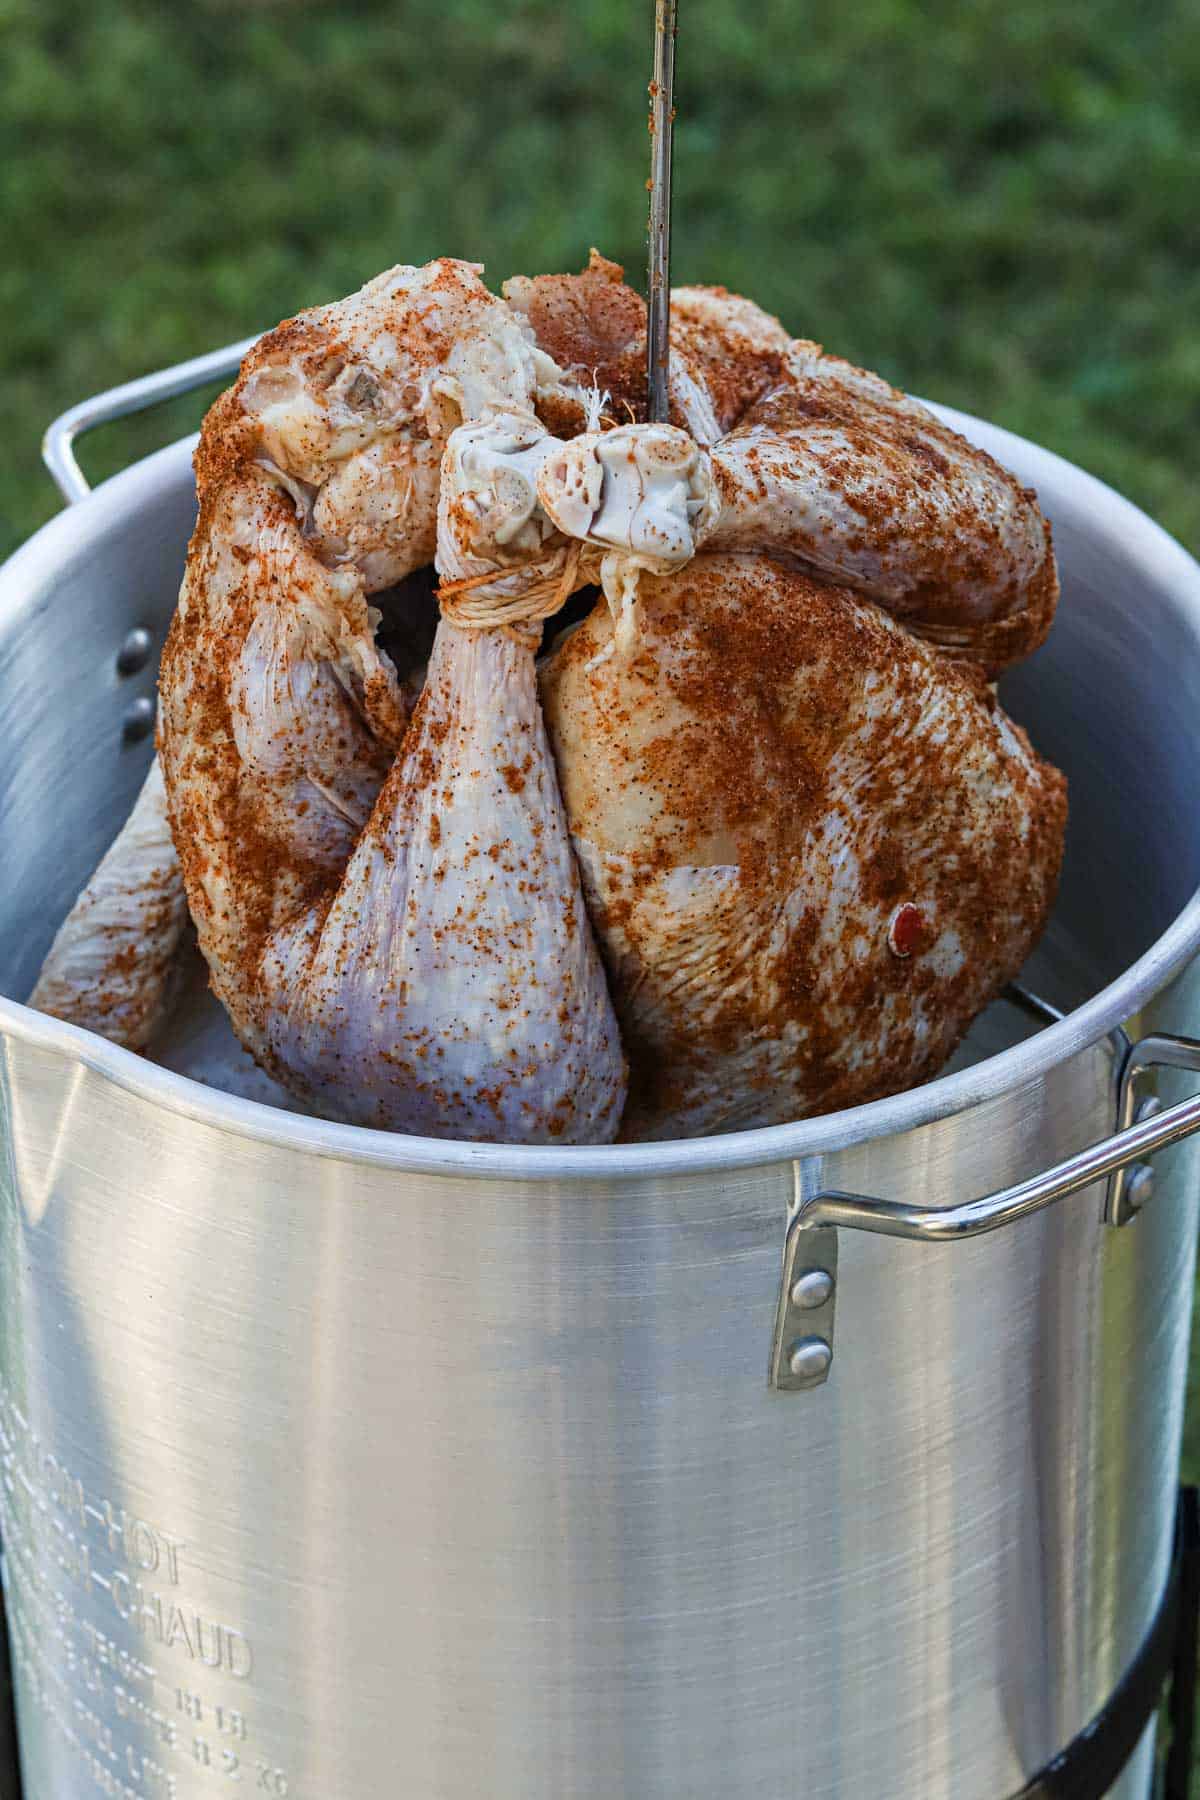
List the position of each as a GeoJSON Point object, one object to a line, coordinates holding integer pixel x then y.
{"type": "Point", "coordinates": [393, 922]}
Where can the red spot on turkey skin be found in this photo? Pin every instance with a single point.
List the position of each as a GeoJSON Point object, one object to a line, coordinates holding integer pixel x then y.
{"type": "Point", "coordinates": [906, 930]}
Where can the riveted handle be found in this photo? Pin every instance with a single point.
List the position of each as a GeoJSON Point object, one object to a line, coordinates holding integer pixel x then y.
{"type": "Point", "coordinates": [971, 1218]}
{"type": "Point", "coordinates": [58, 445]}
{"type": "Point", "coordinates": [812, 1233]}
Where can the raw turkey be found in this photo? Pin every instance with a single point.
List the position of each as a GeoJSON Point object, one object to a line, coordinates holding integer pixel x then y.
{"type": "Point", "coordinates": [813, 848]}
{"type": "Point", "coordinates": [394, 923]}
{"type": "Point", "coordinates": [725, 350]}
{"type": "Point", "coordinates": [115, 962]}
{"type": "Point", "coordinates": [819, 461]}
{"type": "Point", "coordinates": [864, 486]}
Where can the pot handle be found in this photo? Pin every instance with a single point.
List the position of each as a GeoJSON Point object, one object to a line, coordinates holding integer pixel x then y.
{"type": "Point", "coordinates": [802, 1344]}
{"type": "Point", "coordinates": [58, 445]}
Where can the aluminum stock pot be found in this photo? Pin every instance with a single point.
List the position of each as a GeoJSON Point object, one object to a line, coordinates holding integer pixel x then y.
{"type": "Point", "coordinates": [836, 1459]}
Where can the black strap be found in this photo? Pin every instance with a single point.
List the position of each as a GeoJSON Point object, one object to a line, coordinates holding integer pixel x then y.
{"type": "Point", "coordinates": [1177, 1779]}
{"type": "Point", "coordinates": [1089, 1765]}
{"type": "Point", "coordinates": [10, 1765]}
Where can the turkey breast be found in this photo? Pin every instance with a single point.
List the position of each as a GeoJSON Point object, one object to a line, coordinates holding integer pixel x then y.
{"type": "Point", "coordinates": [813, 848]}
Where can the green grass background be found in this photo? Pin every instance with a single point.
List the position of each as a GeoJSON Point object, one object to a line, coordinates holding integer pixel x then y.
{"type": "Point", "coordinates": [995, 204]}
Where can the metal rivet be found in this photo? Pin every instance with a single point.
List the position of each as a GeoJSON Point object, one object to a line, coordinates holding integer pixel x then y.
{"type": "Point", "coordinates": [1139, 1186]}
{"type": "Point", "coordinates": [138, 722]}
{"type": "Point", "coordinates": [1149, 1108]}
{"type": "Point", "coordinates": [809, 1358]}
{"type": "Point", "coordinates": [811, 1289]}
{"type": "Point", "coordinates": [134, 653]}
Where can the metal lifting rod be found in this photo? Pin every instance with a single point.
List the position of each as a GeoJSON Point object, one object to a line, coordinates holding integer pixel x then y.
{"type": "Point", "coordinates": [662, 124]}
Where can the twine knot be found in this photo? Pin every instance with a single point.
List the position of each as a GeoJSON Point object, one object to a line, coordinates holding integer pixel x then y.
{"type": "Point", "coordinates": [489, 602]}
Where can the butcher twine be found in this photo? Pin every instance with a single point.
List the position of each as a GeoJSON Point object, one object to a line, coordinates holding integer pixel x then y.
{"type": "Point", "coordinates": [474, 604]}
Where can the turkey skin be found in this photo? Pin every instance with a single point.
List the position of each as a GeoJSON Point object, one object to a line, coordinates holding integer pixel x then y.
{"type": "Point", "coordinates": [392, 917]}
{"type": "Point", "coordinates": [813, 848]}
{"type": "Point", "coordinates": [811, 845]}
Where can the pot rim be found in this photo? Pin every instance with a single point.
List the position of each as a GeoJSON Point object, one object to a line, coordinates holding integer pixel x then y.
{"type": "Point", "coordinates": [1114, 517]}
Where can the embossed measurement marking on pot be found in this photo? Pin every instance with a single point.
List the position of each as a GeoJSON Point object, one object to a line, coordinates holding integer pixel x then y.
{"type": "Point", "coordinates": [109, 1654]}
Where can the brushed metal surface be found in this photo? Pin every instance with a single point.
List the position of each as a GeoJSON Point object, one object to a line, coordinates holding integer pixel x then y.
{"type": "Point", "coordinates": [344, 1466]}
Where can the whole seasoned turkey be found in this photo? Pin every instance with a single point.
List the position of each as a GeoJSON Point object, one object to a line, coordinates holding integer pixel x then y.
{"type": "Point", "coordinates": [779, 844]}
